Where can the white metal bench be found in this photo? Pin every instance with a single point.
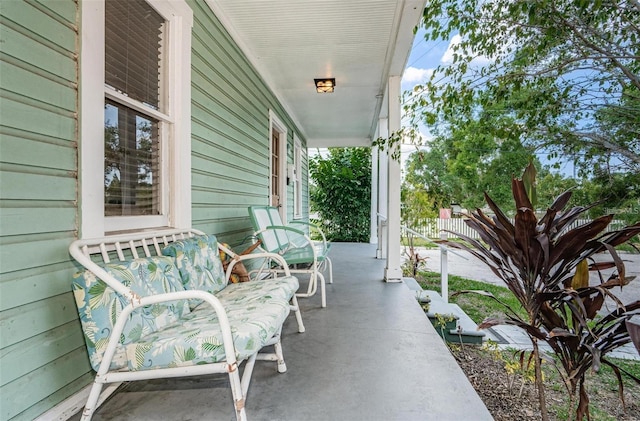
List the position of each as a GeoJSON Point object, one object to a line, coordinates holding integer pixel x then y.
{"type": "Point", "coordinates": [156, 305]}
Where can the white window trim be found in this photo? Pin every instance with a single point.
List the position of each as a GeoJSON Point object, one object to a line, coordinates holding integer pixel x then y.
{"type": "Point", "coordinates": [93, 223]}
{"type": "Point", "coordinates": [276, 123]}
{"type": "Point", "coordinates": [297, 178]}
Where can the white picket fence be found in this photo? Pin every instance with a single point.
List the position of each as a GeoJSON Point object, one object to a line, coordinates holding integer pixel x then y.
{"type": "Point", "coordinates": [432, 228]}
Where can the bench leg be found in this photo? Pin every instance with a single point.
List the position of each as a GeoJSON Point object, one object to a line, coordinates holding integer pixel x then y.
{"type": "Point", "coordinates": [282, 366]}
{"type": "Point", "coordinates": [236, 390]}
{"type": "Point", "coordinates": [92, 400]}
{"type": "Point", "coordinates": [296, 308]}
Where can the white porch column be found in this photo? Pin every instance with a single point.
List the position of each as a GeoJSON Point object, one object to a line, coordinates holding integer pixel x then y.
{"type": "Point", "coordinates": [373, 232]}
{"type": "Point", "coordinates": [383, 158]}
{"type": "Point", "coordinates": [393, 271]}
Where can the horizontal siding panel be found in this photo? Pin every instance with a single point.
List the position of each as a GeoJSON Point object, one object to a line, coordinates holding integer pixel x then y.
{"type": "Point", "coordinates": [25, 186]}
{"type": "Point", "coordinates": [55, 398]}
{"type": "Point", "coordinates": [254, 128]}
{"type": "Point", "coordinates": [20, 359]}
{"type": "Point", "coordinates": [206, 196]}
{"type": "Point", "coordinates": [222, 211]}
{"type": "Point", "coordinates": [211, 128]}
{"type": "Point", "coordinates": [223, 139]}
{"type": "Point", "coordinates": [23, 322]}
{"type": "Point", "coordinates": [23, 82]}
{"type": "Point", "coordinates": [21, 116]}
{"type": "Point", "coordinates": [23, 219]}
{"type": "Point", "coordinates": [50, 26]}
{"type": "Point", "coordinates": [65, 9]}
{"type": "Point", "coordinates": [235, 187]}
{"type": "Point", "coordinates": [213, 42]}
{"type": "Point", "coordinates": [31, 285]}
{"type": "Point", "coordinates": [231, 168]}
{"type": "Point", "coordinates": [36, 153]}
{"type": "Point", "coordinates": [25, 252]}
{"type": "Point", "coordinates": [25, 48]}
{"type": "Point", "coordinates": [41, 383]}
{"type": "Point", "coordinates": [229, 90]}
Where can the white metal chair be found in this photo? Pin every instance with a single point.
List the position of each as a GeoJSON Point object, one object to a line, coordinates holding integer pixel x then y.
{"type": "Point", "coordinates": [302, 254]}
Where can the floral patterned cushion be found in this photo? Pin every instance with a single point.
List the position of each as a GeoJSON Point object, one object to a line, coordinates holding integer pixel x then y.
{"type": "Point", "coordinates": [281, 288]}
{"type": "Point", "coordinates": [199, 263]}
{"type": "Point", "coordinates": [99, 305]}
{"type": "Point", "coordinates": [197, 338]}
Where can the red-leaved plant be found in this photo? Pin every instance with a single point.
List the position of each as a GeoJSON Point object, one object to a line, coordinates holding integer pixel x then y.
{"type": "Point", "coordinates": [546, 266]}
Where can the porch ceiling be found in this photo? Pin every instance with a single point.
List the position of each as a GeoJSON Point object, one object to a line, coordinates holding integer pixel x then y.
{"type": "Point", "coordinates": [360, 43]}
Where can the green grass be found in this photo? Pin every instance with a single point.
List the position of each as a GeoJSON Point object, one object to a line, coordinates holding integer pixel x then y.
{"type": "Point", "coordinates": [476, 306]}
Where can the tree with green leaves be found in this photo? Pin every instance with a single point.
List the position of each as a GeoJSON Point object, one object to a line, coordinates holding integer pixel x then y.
{"type": "Point", "coordinates": [566, 73]}
{"type": "Point", "coordinates": [341, 193]}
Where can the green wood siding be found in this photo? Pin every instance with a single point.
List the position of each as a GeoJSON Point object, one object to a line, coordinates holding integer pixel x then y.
{"type": "Point", "coordinates": [42, 354]}
{"type": "Point", "coordinates": [230, 132]}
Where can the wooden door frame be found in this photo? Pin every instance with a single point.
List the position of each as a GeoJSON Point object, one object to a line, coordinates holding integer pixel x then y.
{"type": "Point", "coordinates": [276, 124]}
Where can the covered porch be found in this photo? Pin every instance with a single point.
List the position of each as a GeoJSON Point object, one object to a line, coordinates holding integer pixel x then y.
{"type": "Point", "coordinates": [371, 355]}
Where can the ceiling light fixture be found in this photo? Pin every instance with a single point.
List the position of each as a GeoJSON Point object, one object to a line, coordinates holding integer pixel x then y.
{"type": "Point", "coordinates": [325, 86]}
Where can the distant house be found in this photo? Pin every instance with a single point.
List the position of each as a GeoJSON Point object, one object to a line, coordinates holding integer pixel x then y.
{"type": "Point", "coordinates": [135, 114]}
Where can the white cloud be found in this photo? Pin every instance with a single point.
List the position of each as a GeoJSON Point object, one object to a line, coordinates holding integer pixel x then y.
{"type": "Point", "coordinates": [416, 75]}
{"type": "Point", "coordinates": [447, 57]}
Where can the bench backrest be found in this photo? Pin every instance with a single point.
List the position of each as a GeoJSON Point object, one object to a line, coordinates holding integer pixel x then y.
{"type": "Point", "coordinates": [123, 267]}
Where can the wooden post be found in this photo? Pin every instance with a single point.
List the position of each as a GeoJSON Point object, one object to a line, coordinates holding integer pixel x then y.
{"type": "Point", "coordinates": [444, 269]}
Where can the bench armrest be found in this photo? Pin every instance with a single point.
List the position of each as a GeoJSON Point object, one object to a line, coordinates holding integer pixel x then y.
{"type": "Point", "coordinates": [235, 258]}
{"type": "Point", "coordinates": [137, 302]}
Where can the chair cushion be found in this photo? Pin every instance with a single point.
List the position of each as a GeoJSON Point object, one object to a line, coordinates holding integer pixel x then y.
{"type": "Point", "coordinates": [197, 338]}
{"type": "Point", "coordinates": [99, 305]}
{"type": "Point", "coordinates": [198, 262]}
{"type": "Point", "coordinates": [259, 290]}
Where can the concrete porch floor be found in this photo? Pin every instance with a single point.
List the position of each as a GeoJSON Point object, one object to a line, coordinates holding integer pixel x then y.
{"type": "Point", "coordinates": [370, 355]}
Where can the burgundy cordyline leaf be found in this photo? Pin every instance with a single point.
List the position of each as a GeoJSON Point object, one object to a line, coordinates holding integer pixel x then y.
{"type": "Point", "coordinates": [574, 240]}
{"type": "Point", "coordinates": [601, 265]}
{"type": "Point", "coordinates": [520, 194]}
{"type": "Point", "coordinates": [561, 201]}
{"type": "Point", "coordinates": [593, 302]}
{"type": "Point", "coordinates": [616, 282]}
{"type": "Point", "coordinates": [565, 219]}
{"type": "Point", "coordinates": [550, 317]}
{"type": "Point", "coordinates": [525, 230]}
{"type": "Point", "coordinates": [490, 322]}
{"type": "Point", "coordinates": [556, 332]}
{"type": "Point", "coordinates": [500, 217]}
{"type": "Point", "coordinates": [547, 221]}
{"type": "Point", "coordinates": [621, 236]}
{"type": "Point", "coordinates": [616, 259]}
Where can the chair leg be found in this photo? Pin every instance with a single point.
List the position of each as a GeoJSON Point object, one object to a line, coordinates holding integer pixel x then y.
{"type": "Point", "coordinates": [323, 290]}
{"type": "Point", "coordinates": [92, 400]}
{"type": "Point", "coordinates": [296, 308]}
{"type": "Point", "coordinates": [330, 265]}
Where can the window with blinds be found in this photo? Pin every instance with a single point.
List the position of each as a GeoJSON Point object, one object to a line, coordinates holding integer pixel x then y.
{"type": "Point", "coordinates": [133, 111]}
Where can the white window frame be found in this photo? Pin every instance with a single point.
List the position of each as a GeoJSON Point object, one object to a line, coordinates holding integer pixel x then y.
{"type": "Point", "coordinates": [297, 178]}
{"type": "Point", "coordinates": [176, 144]}
{"type": "Point", "coordinates": [276, 124]}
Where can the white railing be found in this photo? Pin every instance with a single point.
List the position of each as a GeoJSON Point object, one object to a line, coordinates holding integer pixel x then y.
{"type": "Point", "coordinates": [431, 228]}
